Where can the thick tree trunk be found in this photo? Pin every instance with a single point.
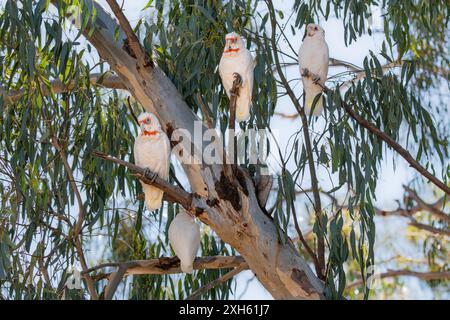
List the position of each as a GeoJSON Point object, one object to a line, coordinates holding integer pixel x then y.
{"type": "Point", "coordinates": [232, 210]}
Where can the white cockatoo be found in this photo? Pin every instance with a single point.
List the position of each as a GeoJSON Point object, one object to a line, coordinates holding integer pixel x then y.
{"type": "Point", "coordinates": [313, 59]}
{"type": "Point", "coordinates": [237, 59]}
{"type": "Point", "coordinates": [152, 151]}
{"type": "Point", "coordinates": [184, 237]}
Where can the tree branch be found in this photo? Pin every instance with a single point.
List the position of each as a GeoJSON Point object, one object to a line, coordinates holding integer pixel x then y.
{"type": "Point", "coordinates": [361, 74]}
{"type": "Point", "coordinates": [227, 276]}
{"type": "Point", "coordinates": [428, 276]}
{"type": "Point", "coordinates": [391, 142]}
{"type": "Point", "coordinates": [165, 265]}
{"type": "Point", "coordinates": [432, 208]}
{"type": "Point", "coordinates": [332, 62]}
{"type": "Point", "coordinates": [287, 116]}
{"type": "Point", "coordinates": [114, 280]}
{"type": "Point", "coordinates": [171, 265]}
{"type": "Point", "coordinates": [234, 93]}
{"type": "Point", "coordinates": [409, 214]}
{"type": "Point", "coordinates": [110, 81]}
{"type": "Point", "coordinates": [175, 193]}
{"type": "Point", "coordinates": [133, 42]}
{"type": "Point", "coordinates": [301, 111]}
{"type": "Point", "coordinates": [78, 225]}
{"type": "Point", "coordinates": [303, 241]}
{"type": "Point", "coordinates": [428, 228]}
{"type": "Point", "coordinates": [205, 111]}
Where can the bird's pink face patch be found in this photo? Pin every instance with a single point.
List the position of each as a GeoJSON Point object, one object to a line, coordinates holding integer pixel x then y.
{"type": "Point", "coordinates": [230, 45]}
{"type": "Point", "coordinates": [146, 125]}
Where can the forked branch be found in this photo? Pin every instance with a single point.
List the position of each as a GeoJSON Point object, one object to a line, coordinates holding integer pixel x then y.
{"type": "Point", "coordinates": [133, 42]}
{"type": "Point", "coordinates": [166, 265]}
{"type": "Point", "coordinates": [308, 146]}
{"type": "Point", "coordinates": [175, 193]}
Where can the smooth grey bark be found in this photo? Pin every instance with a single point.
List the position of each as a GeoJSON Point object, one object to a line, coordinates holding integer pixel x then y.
{"type": "Point", "coordinates": [236, 217]}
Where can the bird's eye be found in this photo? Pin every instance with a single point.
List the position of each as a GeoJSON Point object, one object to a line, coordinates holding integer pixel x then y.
{"type": "Point", "coordinates": [315, 28]}
{"type": "Point", "coordinates": [147, 121]}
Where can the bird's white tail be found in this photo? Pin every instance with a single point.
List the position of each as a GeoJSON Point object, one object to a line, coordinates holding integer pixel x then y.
{"type": "Point", "coordinates": [243, 106]}
{"type": "Point", "coordinates": [243, 113]}
{"type": "Point", "coordinates": [153, 197]}
{"type": "Point", "coordinates": [309, 100]}
{"type": "Point", "coordinates": [187, 267]}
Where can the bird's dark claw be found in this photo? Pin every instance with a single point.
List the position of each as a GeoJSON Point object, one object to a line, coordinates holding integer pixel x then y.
{"type": "Point", "coordinates": [305, 72]}
{"type": "Point", "coordinates": [149, 174]}
{"type": "Point", "coordinates": [237, 79]}
{"type": "Point", "coordinates": [315, 78]}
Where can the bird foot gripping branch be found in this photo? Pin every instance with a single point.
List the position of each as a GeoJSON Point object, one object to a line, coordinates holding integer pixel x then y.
{"type": "Point", "coordinates": [237, 82]}
{"type": "Point", "coordinates": [316, 79]}
{"type": "Point", "coordinates": [150, 175]}
{"type": "Point", "coordinates": [305, 72]}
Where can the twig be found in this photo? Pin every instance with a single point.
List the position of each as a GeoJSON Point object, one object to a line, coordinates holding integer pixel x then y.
{"type": "Point", "coordinates": [227, 276]}
{"type": "Point", "coordinates": [391, 142]}
{"type": "Point", "coordinates": [171, 265]}
{"type": "Point", "coordinates": [287, 116]}
{"type": "Point", "coordinates": [432, 208]}
{"type": "Point", "coordinates": [131, 111]}
{"type": "Point", "coordinates": [115, 279]}
{"type": "Point", "coordinates": [133, 41]}
{"type": "Point", "coordinates": [301, 111]}
{"type": "Point", "coordinates": [110, 81]}
{"type": "Point", "coordinates": [205, 111]}
{"type": "Point", "coordinates": [428, 276]}
{"type": "Point", "coordinates": [78, 225]}
{"type": "Point", "coordinates": [177, 194]}
{"type": "Point", "coordinates": [303, 241]}
{"type": "Point", "coordinates": [428, 228]}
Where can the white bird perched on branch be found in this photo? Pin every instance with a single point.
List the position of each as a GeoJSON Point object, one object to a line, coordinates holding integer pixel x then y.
{"type": "Point", "coordinates": [236, 59]}
{"type": "Point", "coordinates": [152, 151]}
{"type": "Point", "coordinates": [184, 237]}
{"type": "Point", "coordinates": [313, 59]}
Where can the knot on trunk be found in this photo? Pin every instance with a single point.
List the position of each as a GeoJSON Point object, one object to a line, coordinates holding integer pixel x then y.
{"type": "Point", "coordinates": [226, 190]}
{"type": "Point", "coordinates": [301, 278]}
{"type": "Point", "coordinates": [167, 263]}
